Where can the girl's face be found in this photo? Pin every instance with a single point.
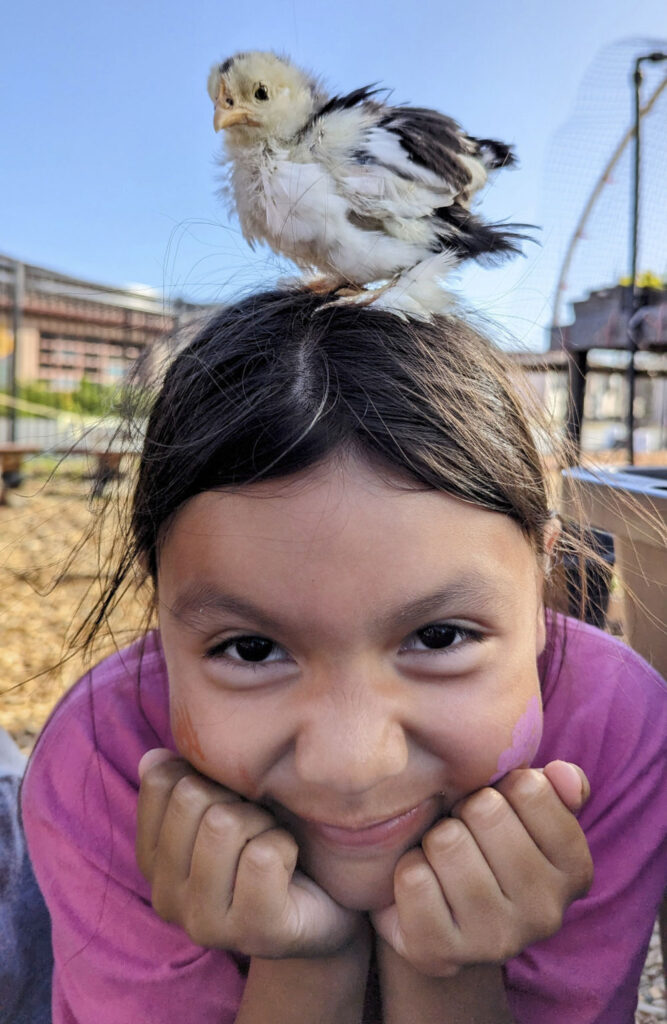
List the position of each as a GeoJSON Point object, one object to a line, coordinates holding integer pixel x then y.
{"type": "Point", "coordinates": [354, 655]}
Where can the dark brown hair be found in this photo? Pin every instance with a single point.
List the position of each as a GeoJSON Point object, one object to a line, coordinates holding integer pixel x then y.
{"type": "Point", "coordinates": [279, 381]}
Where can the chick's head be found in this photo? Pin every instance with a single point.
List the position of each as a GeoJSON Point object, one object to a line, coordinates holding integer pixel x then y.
{"type": "Point", "coordinates": [260, 96]}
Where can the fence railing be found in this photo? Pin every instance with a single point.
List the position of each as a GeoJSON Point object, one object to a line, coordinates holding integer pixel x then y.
{"type": "Point", "coordinates": [54, 428]}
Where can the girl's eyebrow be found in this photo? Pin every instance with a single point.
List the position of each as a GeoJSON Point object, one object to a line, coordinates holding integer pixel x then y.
{"type": "Point", "coordinates": [203, 599]}
{"type": "Point", "coordinates": [475, 591]}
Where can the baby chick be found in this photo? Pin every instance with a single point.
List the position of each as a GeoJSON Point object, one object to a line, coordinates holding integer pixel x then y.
{"type": "Point", "coordinates": [351, 187]}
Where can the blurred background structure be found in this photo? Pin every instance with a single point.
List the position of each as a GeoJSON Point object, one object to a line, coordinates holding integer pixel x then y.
{"type": "Point", "coordinates": [620, 224]}
{"type": "Point", "coordinates": [67, 345]}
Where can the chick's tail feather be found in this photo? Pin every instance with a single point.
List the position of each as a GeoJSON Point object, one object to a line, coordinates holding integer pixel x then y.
{"type": "Point", "coordinates": [472, 238]}
{"type": "Point", "coordinates": [495, 154]}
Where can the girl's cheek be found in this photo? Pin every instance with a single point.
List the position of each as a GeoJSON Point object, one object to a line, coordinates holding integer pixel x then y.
{"type": "Point", "coordinates": [185, 734]}
{"type": "Point", "coordinates": [219, 765]}
{"type": "Point", "coordinates": [526, 737]}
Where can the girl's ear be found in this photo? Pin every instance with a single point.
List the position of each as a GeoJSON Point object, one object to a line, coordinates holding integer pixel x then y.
{"type": "Point", "coordinates": [552, 532]}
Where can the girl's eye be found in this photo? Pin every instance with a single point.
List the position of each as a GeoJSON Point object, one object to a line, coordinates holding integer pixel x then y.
{"type": "Point", "coordinates": [253, 649]}
{"type": "Point", "coordinates": [438, 636]}
{"type": "Point", "coordinates": [261, 93]}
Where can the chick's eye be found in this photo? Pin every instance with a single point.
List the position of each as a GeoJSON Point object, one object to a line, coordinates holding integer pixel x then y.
{"type": "Point", "coordinates": [261, 93]}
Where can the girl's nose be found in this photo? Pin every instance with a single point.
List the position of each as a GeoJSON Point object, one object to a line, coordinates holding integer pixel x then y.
{"type": "Point", "coordinates": [350, 748]}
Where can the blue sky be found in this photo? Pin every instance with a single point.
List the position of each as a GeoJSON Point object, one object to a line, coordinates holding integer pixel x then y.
{"type": "Point", "coordinates": [108, 165]}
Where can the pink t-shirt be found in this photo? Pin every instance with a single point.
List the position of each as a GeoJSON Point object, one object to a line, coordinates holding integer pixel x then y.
{"type": "Point", "coordinates": [117, 962]}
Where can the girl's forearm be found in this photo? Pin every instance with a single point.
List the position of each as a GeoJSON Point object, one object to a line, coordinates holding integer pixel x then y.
{"type": "Point", "coordinates": [474, 996]}
{"type": "Point", "coordinates": [318, 990]}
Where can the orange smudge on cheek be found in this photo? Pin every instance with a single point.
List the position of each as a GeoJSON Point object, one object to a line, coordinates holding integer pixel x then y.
{"type": "Point", "coordinates": [250, 788]}
{"type": "Point", "coordinates": [185, 734]}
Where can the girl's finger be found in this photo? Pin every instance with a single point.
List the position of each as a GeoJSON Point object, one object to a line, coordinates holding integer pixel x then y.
{"type": "Point", "coordinates": [263, 876]}
{"type": "Point", "coordinates": [570, 783]}
{"type": "Point", "coordinates": [287, 909]}
{"type": "Point", "coordinates": [157, 783]}
{"type": "Point", "coordinates": [223, 832]}
{"type": "Point", "coordinates": [264, 872]}
{"type": "Point", "coordinates": [157, 755]}
{"type": "Point", "coordinates": [550, 825]}
{"type": "Point", "coordinates": [428, 934]}
{"type": "Point", "coordinates": [471, 888]}
{"type": "Point", "coordinates": [191, 797]}
{"type": "Point", "coordinates": [520, 869]}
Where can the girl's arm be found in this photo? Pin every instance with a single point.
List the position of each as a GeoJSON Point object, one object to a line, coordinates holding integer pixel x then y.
{"type": "Point", "coordinates": [322, 990]}
{"type": "Point", "coordinates": [474, 996]}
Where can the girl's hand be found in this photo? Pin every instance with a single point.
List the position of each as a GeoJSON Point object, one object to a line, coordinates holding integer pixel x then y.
{"type": "Point", "coordinates": [221, 869]}
{"type": "Point", "coordinates": [493, 878]}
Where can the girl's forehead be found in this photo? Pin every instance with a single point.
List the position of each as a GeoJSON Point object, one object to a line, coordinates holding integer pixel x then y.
{"type": "Point", "coordinates": [340, 550]}
{"type": "Point", "coordinates": [340, 491]}
{"type": "Point", "coordinates": [334, 475]}
{"type": "Point", "coordinates": [343, 509]}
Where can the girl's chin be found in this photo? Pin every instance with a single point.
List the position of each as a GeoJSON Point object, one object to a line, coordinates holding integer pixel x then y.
{"type": "Point", "coordinates": [364, 901]}
{"type": "Point", "coordinates": [369, 906]}
{"type": "Point", "coordinates": [357, 888]}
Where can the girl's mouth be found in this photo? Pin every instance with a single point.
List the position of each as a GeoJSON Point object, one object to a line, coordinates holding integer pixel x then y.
{"type": "Point", "coordinates": [379, 835]}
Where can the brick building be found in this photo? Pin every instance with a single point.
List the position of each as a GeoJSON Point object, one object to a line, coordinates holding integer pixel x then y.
{"type": "Point", "coordinates": [70, 329]}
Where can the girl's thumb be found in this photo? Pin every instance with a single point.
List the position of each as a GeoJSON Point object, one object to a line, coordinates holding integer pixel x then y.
{"type": "Point", "coordinates": [153, 757]}
{"type": "Point", "coordinates": [570, 783]}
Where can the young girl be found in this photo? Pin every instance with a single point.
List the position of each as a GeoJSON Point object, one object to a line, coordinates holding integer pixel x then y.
{"type": "Point", "coordinates": [322, 753]}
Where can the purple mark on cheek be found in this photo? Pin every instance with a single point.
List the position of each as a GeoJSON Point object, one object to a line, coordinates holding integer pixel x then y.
{"type": "Point", "coordinates": [525, 741]}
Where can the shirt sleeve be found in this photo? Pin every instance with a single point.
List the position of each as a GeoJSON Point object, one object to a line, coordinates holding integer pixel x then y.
{"type": "Point", "coordinates": [615, 728]}
{"type": "Point", "coordinates": [115, 959]}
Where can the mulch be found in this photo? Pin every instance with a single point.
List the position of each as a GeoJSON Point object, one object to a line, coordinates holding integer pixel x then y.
{"type": "Point", "coordinates": [49, 578]}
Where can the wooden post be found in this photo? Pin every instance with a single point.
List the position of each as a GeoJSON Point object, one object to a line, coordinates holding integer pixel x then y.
{"type": "Point", "coordinates": [17, 315]}
{"type": "Point", "coordinates": [577, 362]}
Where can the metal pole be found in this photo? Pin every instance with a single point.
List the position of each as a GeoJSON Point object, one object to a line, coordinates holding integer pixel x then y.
{"type": "Point", "coordinates": [634, 304]}
{"type": "Point", "coordinates": [577, 362]}
{"type": "Point", "coordinates": [592, 200]}
{"type": "Point", "coordinates": [636, 298]}
{"type": "Point", "coordinates": [17, 315]}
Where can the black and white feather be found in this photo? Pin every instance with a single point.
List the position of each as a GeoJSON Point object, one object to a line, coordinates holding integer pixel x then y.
{"type": "Point", "coordinates": [352, 188]}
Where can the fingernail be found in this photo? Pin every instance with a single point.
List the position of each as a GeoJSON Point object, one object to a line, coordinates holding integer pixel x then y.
{"type": "Point", "coordinates": [153, 757]}
{"type": "Point", "coordinates": [578, 779]}
{"type": "Point", "coordinates": [583, 781]}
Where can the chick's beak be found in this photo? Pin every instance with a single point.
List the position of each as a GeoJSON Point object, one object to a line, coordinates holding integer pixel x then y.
{"type": "Point", "coordinates": [226, 115]}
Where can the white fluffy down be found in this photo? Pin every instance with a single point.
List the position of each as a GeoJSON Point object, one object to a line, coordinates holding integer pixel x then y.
{"type": "Point", "coordinates": [420, 292]}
